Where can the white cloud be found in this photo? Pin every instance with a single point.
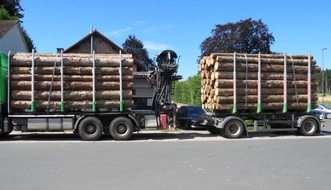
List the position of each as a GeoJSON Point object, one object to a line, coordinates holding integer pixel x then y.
{"type": "Point", "coordinates": [120, 32]}
{"type": "Point", "coordinates": [156, 46]}
{"type": "Point", "coordinates": [139, 22]}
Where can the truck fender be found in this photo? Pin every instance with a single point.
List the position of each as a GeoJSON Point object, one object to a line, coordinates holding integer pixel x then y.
{"type": "Point", "coordinates": [77, 122]}
{"type": "Point", "coordinates": [220, 122]}
{"type": "Point", "coordinates": [304, 117]}
{"type": "Point", "coordinates": [136, 124]}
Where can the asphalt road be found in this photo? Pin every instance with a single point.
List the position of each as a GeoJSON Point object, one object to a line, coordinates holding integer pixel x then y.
{"type": "Point", "coordinates": [184, 160]}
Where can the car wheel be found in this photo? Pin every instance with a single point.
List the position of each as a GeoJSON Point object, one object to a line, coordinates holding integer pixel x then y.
{"type": "Point", "coordinates": [185, 124]}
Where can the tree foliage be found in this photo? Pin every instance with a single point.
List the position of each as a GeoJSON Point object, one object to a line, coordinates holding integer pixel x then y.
{"type": "Point", "coordinates": [245, 36]}
{"type": "Point", "coordinates": [135, 47]}
{"type": "Point", "coordinates": [11, 10]}
{"type": "Point", "coordinates": [4, 15]}
{"type": "Point", "coordinates": [327, 81]}
{"type": "Point", "coordinates": [188, 91]}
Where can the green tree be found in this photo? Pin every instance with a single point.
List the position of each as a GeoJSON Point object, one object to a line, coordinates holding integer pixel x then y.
{"type": "Point", "coordinates": [135, 47]}
{"type": "Point", "coordinates": [188, 91]}
{"type": "Point", "coordinates": [10, 10]}
{"type": "Point", "coordinates": [195, 90]}
{"type": "Point", "coordinates": [13, 8]}
{"type": "Point", "coordinates": [245, 36]}
{"type": "Point", "coordinates": [4, 15]}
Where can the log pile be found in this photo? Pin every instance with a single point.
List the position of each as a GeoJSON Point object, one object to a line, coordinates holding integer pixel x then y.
{"type": "Point", "coordinates": [77, 81]}
{"type": "Point", "coordinates": [217, 84]}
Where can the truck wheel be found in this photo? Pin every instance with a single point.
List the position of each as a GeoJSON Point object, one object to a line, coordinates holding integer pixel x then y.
{"type": "Point", "coordinates": [90, 129]}
{"type": "Point", "coordinates": [233, 129]}
{"type": "Point", "coordinates": [4, 135]}
{"type": "Point", "coordinates": [308, 127]}
{"type": "Point", "coordinates": [213, 130]}
{"type": "Point", "coordinates": [121, 128]}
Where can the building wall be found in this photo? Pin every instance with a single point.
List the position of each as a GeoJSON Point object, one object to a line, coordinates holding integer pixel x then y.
{"type": "Point", "coordinates": [13, 41]}
{"type": "Point", "coordinates": [99, 46]}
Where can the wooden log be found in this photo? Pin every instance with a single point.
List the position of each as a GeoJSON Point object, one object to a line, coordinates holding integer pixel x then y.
{"type": "Point", "coordinates": [71, 85]}
{"type": "Point", "coordinates": [252, 67]}
{"type": "Point", "coordinates": [264, 98]}
{"type": "Point", "coordinates": [264, 91]}
{"type": "Point", "coordinates": [242, 59]}
{"type": "Point", "coordinates": [72, 70]}
{"type": "Point", "coordinates": [224, 83]}
{"type": "Point", "coordinates": [252, 106]}
{"type": "Point", "coordinates": [75, 60]}
{"type": "Point", "coordinates": [254, 76]}
{"type": "Point", "coordinates": [70, 95]}
{"type": "Point", "coordinates": [82, 78]}
{"type": "Point", "coordinates": [16, 104]}
{"type": "Point", "coordinates": [275, 56]}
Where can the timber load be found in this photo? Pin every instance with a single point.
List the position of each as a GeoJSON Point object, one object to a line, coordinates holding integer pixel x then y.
{"type": "Point", "coordinates": [66, 82]}
{"type": "Point", "coordinates": [234, 82]}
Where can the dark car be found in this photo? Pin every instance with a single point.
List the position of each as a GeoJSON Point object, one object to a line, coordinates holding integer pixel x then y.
{"type": "Point", "coordinates": [325, 108]}
{"type": "Point", "coordinates": [189, 117]}
{"type": "Point", "coordinates": [319, 113]}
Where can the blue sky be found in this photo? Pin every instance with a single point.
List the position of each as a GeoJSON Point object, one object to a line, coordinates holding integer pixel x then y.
{"type": "Point", "coordinates": [299, 26]}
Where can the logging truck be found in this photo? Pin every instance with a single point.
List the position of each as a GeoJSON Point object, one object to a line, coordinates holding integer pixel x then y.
{"type": "Point", "coordinates": [89, 94]}
{"type": "Point", "coordinates": [259, 92]}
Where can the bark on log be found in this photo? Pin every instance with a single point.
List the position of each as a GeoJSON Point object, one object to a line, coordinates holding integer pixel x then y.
{"type": "Point", "coordinates": [72, 85]}
{"type": "Point", "coordinates": [69, 104]}
{"type": "Point", "coordinates": [76, 60]}
{"type": "Point", "coordinates": [275, 56]}
{"type": "Point", "coordinates": [265, 106]}
{"type": "Point", "coordinates": [254, 76]}
{"type": "Point", "coordinates": [264, 91]}
{"type": "Point", "coordinates": [223, 83]}
{"type": "Point", "coordinates": [72, 70]}
{"type": "Point", "coordinates": [70, 95]}
{"type": "Point", "coordinates": [252, 67]}
{"type": "Point", "coordinates": [82, 78]}
{"type": "Point", "coordinates": [264, 98]}
{"type": "Point", "coordinates": [242, 59]}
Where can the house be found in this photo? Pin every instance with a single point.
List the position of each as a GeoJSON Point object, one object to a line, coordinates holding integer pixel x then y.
{"type": "Point", "coordinates": [101, 45]}
{"type": "Point", "coordinates": [11, 37]}
{"type": "Point", "coordinates": [142, 89]}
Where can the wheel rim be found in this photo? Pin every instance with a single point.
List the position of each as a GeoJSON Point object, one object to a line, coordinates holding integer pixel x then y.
{"type": "Point", "coordinates": [90, 129]}
{"type": "Point", "coordinates": [234, 128]}
{"type": "Point", "coordinates": [309, 126]}
{"type": "Point", "coordinates": [121, 128]}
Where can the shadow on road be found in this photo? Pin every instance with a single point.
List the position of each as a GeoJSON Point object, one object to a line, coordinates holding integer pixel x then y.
{"type": "Point", "coordinates": [146, 136]}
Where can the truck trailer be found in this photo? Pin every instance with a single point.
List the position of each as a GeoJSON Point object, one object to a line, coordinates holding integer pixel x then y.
{"type": "Point", "coordinates": [89, 94]}
{"type": "Point", "coordinates": [259, 92]}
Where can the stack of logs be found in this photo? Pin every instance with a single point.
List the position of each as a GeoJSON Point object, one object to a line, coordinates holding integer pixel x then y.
{"type": "Point", "coordinates": [217, 73]}
{"type": "Point", "coordinates": [77, 81]}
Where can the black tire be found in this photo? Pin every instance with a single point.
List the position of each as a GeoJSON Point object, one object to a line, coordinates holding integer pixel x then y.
{"type": "Point", "coordinates": [308, 127]}
{"type": "Point", "coordinates": [4, 135]}
{"type": "Point", "coordinates": [121, 128]}
{"type": "Point", "coordinates": [185, 124]}
{"type": "Point", "coordinates": [214, 130]}
{"type": "Point", "coordinates": [90, 128]}
{"type": "Point", "coordinates": [233, 129]}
